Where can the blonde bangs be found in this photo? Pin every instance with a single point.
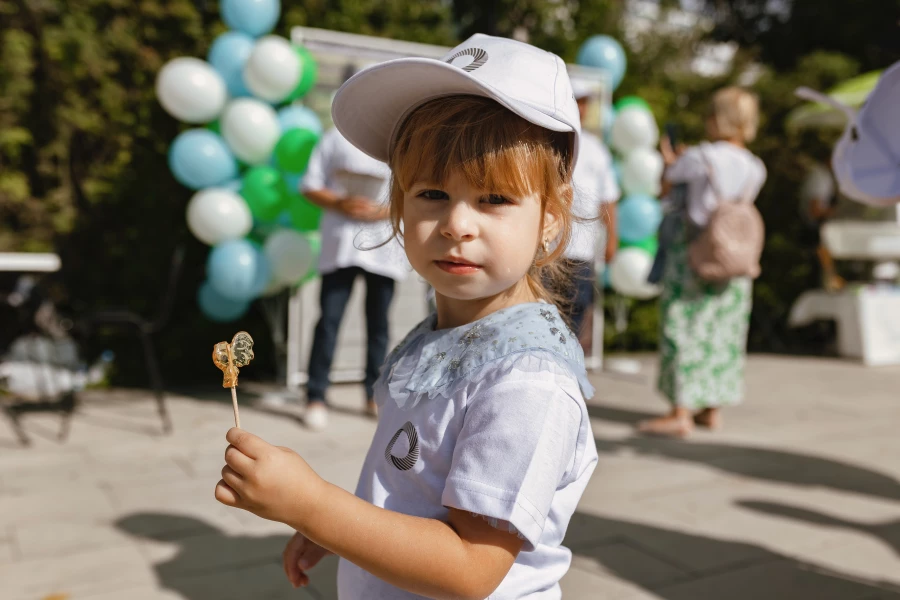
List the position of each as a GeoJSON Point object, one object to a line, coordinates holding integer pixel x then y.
{"type": "Point", "coordinates": [493, 148]}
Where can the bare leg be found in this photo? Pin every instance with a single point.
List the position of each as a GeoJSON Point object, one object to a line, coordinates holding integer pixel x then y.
{"type": "Point", "coordinates": [677, 423]}
{"type": "Point", "coordinates": [709, 417]}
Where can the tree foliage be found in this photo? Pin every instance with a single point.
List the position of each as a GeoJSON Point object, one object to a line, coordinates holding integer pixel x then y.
{"type": "Point", "coordinates": [83, 140]}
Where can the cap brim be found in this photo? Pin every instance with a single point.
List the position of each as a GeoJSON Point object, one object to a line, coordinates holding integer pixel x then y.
{"type": "Point", "coordinates": [371, 105]}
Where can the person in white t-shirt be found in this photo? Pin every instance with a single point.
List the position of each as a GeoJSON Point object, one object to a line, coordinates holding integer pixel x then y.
{"type": "Point", "coordinates": [703, 325]}
{"type": "Point", "coordinates": [596, 193]}
{"type": "Point", "coordinates": [484, 443]}
{"type": "Point", "coordinates": [352, 188]}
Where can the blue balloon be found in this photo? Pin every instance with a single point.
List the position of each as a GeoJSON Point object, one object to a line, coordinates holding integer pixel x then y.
{"type": "Point", "coordinates": [603, 52]}
{"type": "Point", "coordinates": [299, 117]}
{"type": "Point", "coordinates": [253, 17]}
{"type": "Point", "coordinates": [217, 307]}
{"type": "Point", "coordinates": [232, 270]}
{"type": "Point", "coordinates": [263, 273]}
{"type": "Point", "coordinates": [200, 158]}
{"type": "Point", "coordinates": [228, 55]}
{"type": "Point", "coordinates": [234, 185]}
{"type": "Point", "coordinates": [639, 216]}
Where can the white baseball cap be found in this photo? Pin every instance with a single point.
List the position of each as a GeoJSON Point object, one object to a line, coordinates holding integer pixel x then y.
{"type": "Point", "coordinates": [371, 106]}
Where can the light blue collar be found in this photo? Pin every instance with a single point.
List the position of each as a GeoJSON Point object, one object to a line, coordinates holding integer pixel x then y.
{"type": "Point", "coordinates": [447, 355]}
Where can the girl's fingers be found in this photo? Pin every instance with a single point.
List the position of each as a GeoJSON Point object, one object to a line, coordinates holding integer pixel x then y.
{"type": "Point", "coordinates": [290, 557]}
{"type": "Point", "coordinates": [226, 495]}
{"type": "Point", "coordinates": [237, 460]}
{"type": "Point", "coordinates": [232, 478]}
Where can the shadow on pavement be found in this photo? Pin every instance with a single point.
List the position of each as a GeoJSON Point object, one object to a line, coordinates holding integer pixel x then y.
{"type": "Point", "coordinates": [780, 466]}
{"type": "Point", "coordinates": [208, 564]}
{"type": "Point", "coordinates": [679, 566]}
{"type": "Point", "coordinates": [888, 532]}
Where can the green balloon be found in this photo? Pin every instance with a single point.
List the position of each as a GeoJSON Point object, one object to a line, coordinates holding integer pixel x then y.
{"type": "Point", "coordinates": [626, 101]}
{"type": "Point", "coordinates": [304, 214]}
{"type": "Point", "coordinates": [649, 244]}
{"type": "Point", "coordinates": [265, 192]}
{"type": "Point", "coordinates": [215, 127]}
{"type": "Point", "coordinates": [293, 150]}
{"type": "Point", "coordinates": [308, 73]}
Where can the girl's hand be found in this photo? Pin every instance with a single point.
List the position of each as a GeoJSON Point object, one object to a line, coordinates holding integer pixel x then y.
{"type": "Point", "coordinates": [271, 482]}
{"type": "Point", "coordinates": [299, 556]}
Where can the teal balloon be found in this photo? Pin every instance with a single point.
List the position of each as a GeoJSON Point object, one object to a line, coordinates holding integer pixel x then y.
{"type": "Point", "coordinates": [299, 117]}
{"type": "Point", "coordinates": [199, 158]}
{"type": "Point", "coordinates": [263, 272]}
{"type": "Point", "coordinates": [253, 17]}
{"type": "Point", "coordinates": [217, 307]}
{"type": "Point", "coordinates": [603, 52]}
{"type": "Point", "coordinates": [228, 55]}
{"type": "Point", "coordinates": [232, 269]}
{"type": "Point", "coordinates": [638, 217]}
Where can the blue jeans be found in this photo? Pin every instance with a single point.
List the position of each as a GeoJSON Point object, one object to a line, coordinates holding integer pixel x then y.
{"type": "Point", "coordinates": [336, 288]}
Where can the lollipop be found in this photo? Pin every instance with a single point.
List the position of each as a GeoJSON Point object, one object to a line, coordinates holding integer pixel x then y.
{"type": "Point", "coordinates": [229, 357]}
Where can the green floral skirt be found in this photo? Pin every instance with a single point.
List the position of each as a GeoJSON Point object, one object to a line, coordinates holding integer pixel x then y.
{"type": "Point", "coordinates": [703, 334]}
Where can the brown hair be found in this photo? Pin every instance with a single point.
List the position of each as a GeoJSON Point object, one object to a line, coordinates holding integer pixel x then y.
{"type": "Point", "coordinates": [735, 112]}
{"type": "Point", "coordinates": [495, 150]}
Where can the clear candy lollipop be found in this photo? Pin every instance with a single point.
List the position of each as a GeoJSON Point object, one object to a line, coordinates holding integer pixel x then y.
{"type": "Point", "coordinates": [228, 357]}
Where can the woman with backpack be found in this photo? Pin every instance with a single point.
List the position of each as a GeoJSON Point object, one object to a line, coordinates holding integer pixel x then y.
{"type": "Point", "coordinates": [715, 239]}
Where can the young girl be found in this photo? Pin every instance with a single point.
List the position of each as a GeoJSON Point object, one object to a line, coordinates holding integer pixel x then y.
{"type": "Point", "coordinates": [483, 446]}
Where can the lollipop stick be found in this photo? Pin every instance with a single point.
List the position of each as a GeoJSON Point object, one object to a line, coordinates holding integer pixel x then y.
{"type": "Point", "coordinates": [237, 415]}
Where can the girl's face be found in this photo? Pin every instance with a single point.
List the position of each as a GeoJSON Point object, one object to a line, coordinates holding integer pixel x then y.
{"type": "Point", "coordinates": [472, 245]}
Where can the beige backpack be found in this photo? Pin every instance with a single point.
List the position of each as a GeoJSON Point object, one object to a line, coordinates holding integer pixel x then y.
{"type": "Point", "coordinates": [732, 242]}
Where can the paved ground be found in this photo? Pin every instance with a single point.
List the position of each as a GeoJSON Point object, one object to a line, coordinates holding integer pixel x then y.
{"type": "Point", "coordinates": [798, 498]}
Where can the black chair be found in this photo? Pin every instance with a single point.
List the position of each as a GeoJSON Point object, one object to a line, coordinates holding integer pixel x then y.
{"type": "Point", "coordinates": [145, 330]}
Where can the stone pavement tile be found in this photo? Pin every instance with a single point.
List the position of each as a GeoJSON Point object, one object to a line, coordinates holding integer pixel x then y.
{"type": "Point", "coordinates": [98, 472]}
{"type": "Point", "coordinates": [581, 584]}
{"type": "Point", "coordinates": [213, 551]}
{"type": "Point", "coordinates": [265, 581]}
{"type": "Point", "coordinates": [875, 558]}
{"type": "Point", "coordinates": [779, 580]}
{"type": "Point", "coordinates": [629, 561]}
{"type": "Point", "coordinates": [90, 571]}
{"type": "Point", "coordinates": [55, 537]}
{"type": "Point", "coordinates": [161, 510]}
{"type": "Point", "coordinates": [151, 592]}
{"type": "Point", "coordinates": [8, 551]}
{"type": "Point", "coordinates": [65, 503]}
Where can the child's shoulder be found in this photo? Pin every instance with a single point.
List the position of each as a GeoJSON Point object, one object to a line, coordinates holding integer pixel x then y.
{"type": "Point", "coordinates": [526, 340]}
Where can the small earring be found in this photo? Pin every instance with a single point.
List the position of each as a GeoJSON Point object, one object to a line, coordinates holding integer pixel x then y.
{"type": "Point", "coordinates": [544, 246]}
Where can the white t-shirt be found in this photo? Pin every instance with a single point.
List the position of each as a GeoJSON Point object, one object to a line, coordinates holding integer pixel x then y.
{"type": "Point", "coordinates": [334, 165]}
{"type": "Point", "coordinates": [510, 441]}
{"type": "Point", "coordinates": [736, 172]}
{"type": "Point", "coordinates": [594, 184]}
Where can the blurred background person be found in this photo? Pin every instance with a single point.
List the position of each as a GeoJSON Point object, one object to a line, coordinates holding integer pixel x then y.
{"type": "Point", "coordinates": [594, 238]}
{"type": "Point", "coordinates": [703, 325]}
{"type": "Point", "coordinates": [350, 186]}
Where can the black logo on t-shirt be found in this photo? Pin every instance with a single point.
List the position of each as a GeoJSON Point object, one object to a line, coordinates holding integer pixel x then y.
{"type": "Point", "coordinates": [407, 462]}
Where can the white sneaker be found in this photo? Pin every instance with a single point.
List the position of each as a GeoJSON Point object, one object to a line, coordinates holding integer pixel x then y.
{"type": "Point", "coordinates": [316, 417]}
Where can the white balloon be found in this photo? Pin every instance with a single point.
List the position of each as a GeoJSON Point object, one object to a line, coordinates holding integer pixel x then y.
{"type": "Point", "coordinates": [289, 255]}
{"type": "Point", "coordinates": [634, 128]}
{"type": "Point", "coordinates": [273, 69]}
{"type": "Point", "coordinates": [251, 129]}
{"type": "Point", "coordinates": [641, 172]}
{"type": "Point", "coordinates": [217, 215]}
{"type": "Point", "coordinates": [628, 273]}
{"type": "Point", "coordinates": [190, 90]}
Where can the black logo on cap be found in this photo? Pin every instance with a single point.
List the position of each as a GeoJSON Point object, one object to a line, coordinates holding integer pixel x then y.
{"type": "Point", "coordinates": [407, 462]}
{"type": "Point", "coordinates": [479, 57]}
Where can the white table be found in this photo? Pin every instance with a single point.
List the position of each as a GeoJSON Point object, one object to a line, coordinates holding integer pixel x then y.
{"type": "Point", "coordinates": [868, 321]}
{"type": "Point", "coordinates": [29, 262]}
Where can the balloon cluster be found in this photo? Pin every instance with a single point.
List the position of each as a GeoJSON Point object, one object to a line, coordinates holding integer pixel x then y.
{"type": "Point", "coordinates": [633, 134]}
{"type": "Point", "coordinates": [246, 159]}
